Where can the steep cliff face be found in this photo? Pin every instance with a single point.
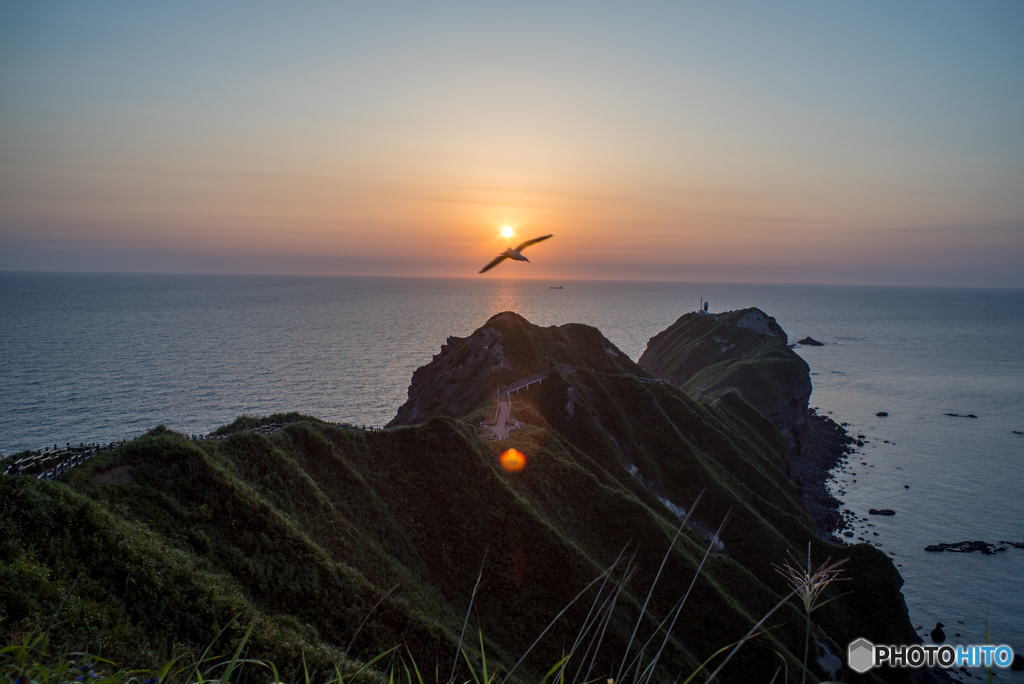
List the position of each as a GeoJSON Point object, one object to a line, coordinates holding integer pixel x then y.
{"type": "Point", "coordinates": [743, 352]}
{"type": "Point", "coordinates": [454, 379]}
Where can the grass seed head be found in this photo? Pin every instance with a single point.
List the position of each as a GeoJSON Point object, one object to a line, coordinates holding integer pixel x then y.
{"type": "Point", "coordinates": [810, 582]}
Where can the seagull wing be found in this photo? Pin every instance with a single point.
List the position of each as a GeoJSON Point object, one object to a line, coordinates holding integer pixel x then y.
{"type": "Point", "coordinates": [530, 242]}
{"type": "Point", "coordinates": [497, 260]}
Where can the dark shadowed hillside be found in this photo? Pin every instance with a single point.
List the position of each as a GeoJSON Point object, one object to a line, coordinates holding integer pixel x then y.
{"type": "Point", "coordinates": [304, 530]}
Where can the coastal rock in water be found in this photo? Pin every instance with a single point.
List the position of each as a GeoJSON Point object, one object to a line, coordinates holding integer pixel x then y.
{"type": "Point", "coordinates": [810, 342]}
{"type": "Point", "coordinates": [1018, 662]}
{"type": "Point", "coordinates": [881, 511]}
{"type": "Point", "coordinates": [961, 415]}
{"type": "Point", "coordinates": [882, 414]}
{"type": "Point", "coordinates": [971, 546]}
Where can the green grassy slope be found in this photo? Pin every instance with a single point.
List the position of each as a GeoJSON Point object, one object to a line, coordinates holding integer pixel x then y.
{"type": "Point", "coordinates": [713, 351]}
{"type": "Point", "coordinates": [741, 352]}
{"type": "Point", "coordinates": [304, 530]}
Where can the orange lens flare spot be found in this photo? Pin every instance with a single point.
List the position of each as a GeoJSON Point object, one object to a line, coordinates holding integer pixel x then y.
{"type": "Point", "coordinates": [513, 460]}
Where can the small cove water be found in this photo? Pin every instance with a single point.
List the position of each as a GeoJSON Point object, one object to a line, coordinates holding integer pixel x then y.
{"type": "Point", "coordinates": [91, 357]}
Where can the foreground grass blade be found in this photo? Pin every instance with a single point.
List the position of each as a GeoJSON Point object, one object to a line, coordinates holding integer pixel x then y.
{"type": "Point", "coordinates": [415, 667]}
{"type": "Point", "coordinates": [650, 592]}
{"type": "Point", "coordinates": [587, 622]}
{"type": "Point", "coordinates": [226, 677]}
{"type": "Point", "coordinates": [476, 587]}
{"type": "Point", "coordinates": [472, 671]}
{"type": "Point", "coordinates": [358, 629]}
{"type": "Point", "coordinates": [753, 629]}
{"type": "Point", "coordinates": [553, 621]}
{"type": "Point", "coordinates": [601, 618]}
{"type": "Point", "coordinates": [340, 678]}
{"type": "Point", "coordinates": [483, 657]}
{"type": "Point", "coordinates": [627, 576]}
{"type": "Point", "coordinates": [196, 675]}
{"type": "Point", "coordinates": [682, 602]}
{"type": "Point", "coordinates": [559, 666]}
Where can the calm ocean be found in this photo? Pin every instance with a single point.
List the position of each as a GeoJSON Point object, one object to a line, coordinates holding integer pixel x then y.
{"type": "Point", "coordinates": [87, 357]}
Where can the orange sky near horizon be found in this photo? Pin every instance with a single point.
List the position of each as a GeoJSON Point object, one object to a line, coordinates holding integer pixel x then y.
{"type": "Point", "coordinates": [401, 154]}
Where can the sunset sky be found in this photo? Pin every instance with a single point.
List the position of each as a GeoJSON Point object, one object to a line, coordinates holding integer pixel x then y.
{"type": "Point", "coordinates": [802, 142]}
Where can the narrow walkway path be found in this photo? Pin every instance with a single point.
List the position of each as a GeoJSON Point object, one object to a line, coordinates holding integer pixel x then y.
{"type": "Point", "coordinates": [536, 377]}
{"type": "Point", "coordinates": [501, 422]}
{"type": "Point", "coordinates": [500, 427]}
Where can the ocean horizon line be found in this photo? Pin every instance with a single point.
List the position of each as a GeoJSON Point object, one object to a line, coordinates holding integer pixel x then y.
{"type": "Point", "coordinates": [556, 280]}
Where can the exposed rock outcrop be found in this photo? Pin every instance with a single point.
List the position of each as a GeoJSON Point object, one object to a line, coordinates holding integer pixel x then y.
{"type": "Point", "coordinates": [453, 377]}
{"type": "Point", "coordinates": [463, 379]}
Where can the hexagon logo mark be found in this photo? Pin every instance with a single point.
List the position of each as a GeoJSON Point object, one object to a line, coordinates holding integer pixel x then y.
{"type": "Point", "coordinates": [861, 655]}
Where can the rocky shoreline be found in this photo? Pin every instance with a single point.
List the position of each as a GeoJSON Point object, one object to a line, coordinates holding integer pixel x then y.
{"type": "Point", "coordinates": [828, 444]}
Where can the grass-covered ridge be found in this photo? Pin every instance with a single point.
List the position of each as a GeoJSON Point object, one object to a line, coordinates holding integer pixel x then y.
{"type": "Point", "coordinates": [301, 532]}
{"type": "Point", "coordinates": [738, 349]}
{"type": "Point", "coordinates": [741, 352]}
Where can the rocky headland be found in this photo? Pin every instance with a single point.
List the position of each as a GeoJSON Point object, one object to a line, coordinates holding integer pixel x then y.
{"type": "Point", "coordinates": [335, 544]}
{"type": "Point", "coordinates": [747, 353]}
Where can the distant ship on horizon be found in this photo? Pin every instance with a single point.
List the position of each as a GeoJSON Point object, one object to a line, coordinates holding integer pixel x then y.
{"type": "Point", "coordinates": [556, 287]}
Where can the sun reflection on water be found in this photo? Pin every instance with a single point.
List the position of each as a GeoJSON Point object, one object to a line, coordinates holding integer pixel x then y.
{"type": "Point", "coordinates": [506, 298]}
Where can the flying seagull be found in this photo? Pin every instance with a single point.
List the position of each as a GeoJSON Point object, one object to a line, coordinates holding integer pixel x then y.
{"type": "Point", "coordinates": [513, 253]}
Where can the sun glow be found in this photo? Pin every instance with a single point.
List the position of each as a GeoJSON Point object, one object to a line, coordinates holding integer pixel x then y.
{"type": "Point", "coordinates": [506, 232]}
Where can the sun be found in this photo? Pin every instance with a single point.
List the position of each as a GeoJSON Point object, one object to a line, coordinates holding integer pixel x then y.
{"type": "Point", "coordinates": [506, 232]}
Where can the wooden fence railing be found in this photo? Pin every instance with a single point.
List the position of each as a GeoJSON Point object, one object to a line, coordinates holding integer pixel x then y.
{"type": "Point", "coordinates": [57, 460]}
{"type": "Point", "coordinates": [60, 460]}
{"type": "Point", "coordinates": [536, 377]}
